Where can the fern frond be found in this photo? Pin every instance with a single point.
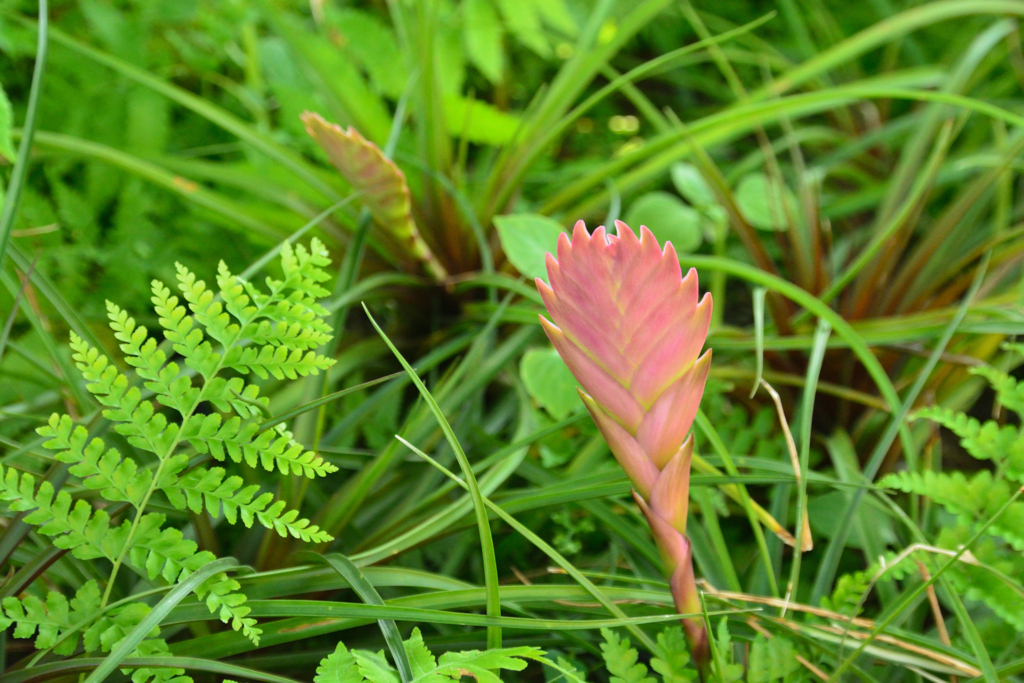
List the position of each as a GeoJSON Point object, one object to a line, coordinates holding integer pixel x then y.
{"type": "Point", "coordinates": [157, 647]}
{"type": "Point", "coordinates": [338, 667]}
{"type": "Point", "coordinates": [115, 625]}
{"type": "Point", "coordinates": [621, 660]}
{"type": "Point", "coordinates": [268, 334]}
{"type": "Point", "coordinates": [112, 627]}
{"type": "Point", "coordinates": [234, 394]}
{"type": "Point", "coordinates": [134, 417]}
{"type": "Point", "coordinates": [279, 326]}
{"type": "Point", "coordinates": [293, 325]}
{"type": "Point", "coordinates": [977, 498]}
{"type": "Point", "coordinates": [359, 666]}
{"type": "Point", "coordinates": [165, 552]}
{"type": "Point", "coordinates": [304, 271]}
{"type": "Point", "coordinates": [150, 363]}
{"type": "Point", "coordinates": [1009, 391]}
{"type": "Point", "coordinates": [207, 310]}
{"type": "Point", "coordinates": [671, 657]}
{"type": "Point", "coordinates": [209, 489]}
{"type": "Point", "coordinates": [222, 598]}
{"type": "Point", "coordinates": [729, 671]}
{"type": "Point", "coordinates": [87, 534]}
{"type": "Point", "coordinates": [99, 469]}
{"type": "Point", "coordinates": [31, 615]}
{"type": "Point", "coordinates": [771, 660]}
{"type": "Point", "coordinates": [61, 625]}
{"type": "Point", "coordinates": [279, 361]}
{"type": "Point", "coordinates": [374, 667]}
{"type": "Point", "coordinates": [846, 596]}
{"type": "Point", "coordinates": [154, 551]}
{"type": "Point", "coordinates": [273, 449]}
{"type": "Point", "coordinates": [179, 328]}
{"type": "Point", "coordinates": [980, 583]}
{"type": "Point", "coordinates": [295, 321]}
{"type": "Point", "coordinates": [421, 659]}
{"type": "Point", "coordinates": [984, 441]}
{"type": "Point", "coordinates": [482, 663]}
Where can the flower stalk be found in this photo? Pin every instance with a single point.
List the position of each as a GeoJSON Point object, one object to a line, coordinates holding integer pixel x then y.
{"type": "Point", "coordinates": [630, 328]}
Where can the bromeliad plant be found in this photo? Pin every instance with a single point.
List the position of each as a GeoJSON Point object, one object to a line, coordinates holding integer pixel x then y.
{"type": "Point", "coordinates": [209, 411]}
{"type": "Point", "coordinates": [630, 328]}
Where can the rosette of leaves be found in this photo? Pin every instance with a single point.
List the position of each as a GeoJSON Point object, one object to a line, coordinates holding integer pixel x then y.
{"type": "Point", "coordinates": [176, 419]}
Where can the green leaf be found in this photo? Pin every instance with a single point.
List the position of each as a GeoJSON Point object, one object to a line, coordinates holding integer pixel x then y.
{"type": "Point", "coordinates": [368, 39]}
{"type": "Point", "coordinates": [765, 203]}
{"type": "Point", "coordinates": [523, 20]}
{"type": "Point", "coordinates": [365, 590]}
{"type": "Point", "coordinates": [549, 382]}
{"type": "Point", "coordinates": [526, 238]}
{"type": "Point", "coordinates": [6, 121]}
{"type": "Point", "coordinates": [976, 498]}
{"type": "Point", "coordinates": [149, 122]}
{"type": "Point", "coordinates": [483, 34]}
{"type": "Point", "coordinates": [478, 121]}
{"type": "Point", "coordinates": [556, 14]}
{"type": "Point", "coordinates": [668, 218]}
{"type": "Point", "coordinates": [691, 184]}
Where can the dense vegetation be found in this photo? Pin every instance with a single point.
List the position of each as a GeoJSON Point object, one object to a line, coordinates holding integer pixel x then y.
{"type": "Point", "coordinates": [274, 400]}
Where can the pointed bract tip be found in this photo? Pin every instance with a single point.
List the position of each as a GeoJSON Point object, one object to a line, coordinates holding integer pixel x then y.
{"type": "Point", "coordinates": [579, 232]}
{"type": "Point", "coordinates": [647, 236]}
{"type": "Point", "coordinates": [622, 229]}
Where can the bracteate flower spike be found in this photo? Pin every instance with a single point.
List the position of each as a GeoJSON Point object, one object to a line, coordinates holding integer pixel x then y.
{"type": "Point", "coordinates": [630, 328]}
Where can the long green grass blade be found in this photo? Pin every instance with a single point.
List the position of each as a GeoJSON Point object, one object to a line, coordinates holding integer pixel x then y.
{"type": "Point", "coordinates": [543, 546]}
{"type": "Point", "coordinates": [9, 322]}
{"type": "Point", "coordinates": [815, 306]}
{"type": "Point", "coordinates": [365, 590]}
{"type": "Point", "coordinates": [216, 115]}
{"type": "Point", "coordinates": [711, 434]}
{"type": "Point", "coordinates": [83, 665]}
{"type": "Point", "coordinates": [490, 565]}
{"type": "Point", "coordinates": [759, 297]}
{"type": "Point", "coordinates": [183, 187]}
{"type": "Point", "coordinates": [890, 29]}
{"type": "Point", "coordinates": [153, 620]}
{"type": "Point", "coordinates": [306, 407]}
{"type": "Point", "coordinates": [830, 563]}
{"type": "Point", "coordinates": [806, 417]}
{"type": "Point", "coordinates": [17, 183]}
